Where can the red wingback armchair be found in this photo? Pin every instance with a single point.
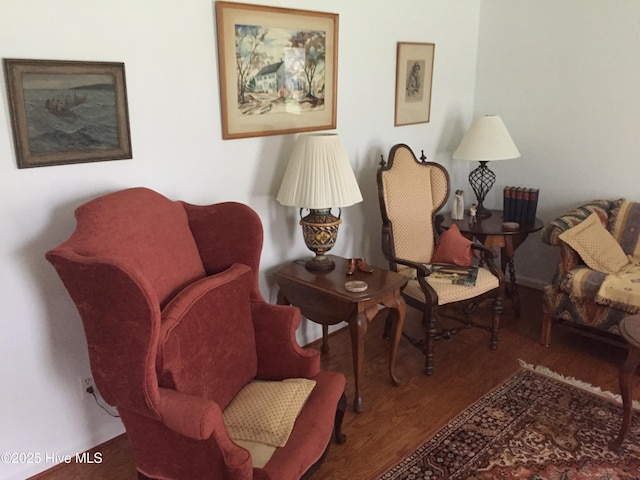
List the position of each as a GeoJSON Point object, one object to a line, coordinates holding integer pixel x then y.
{"type": "Point", "coordinates": [176, 327]}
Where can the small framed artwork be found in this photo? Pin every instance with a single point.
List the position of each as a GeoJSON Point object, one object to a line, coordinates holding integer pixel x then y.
{"type": "Point", "coordinates": [278, 69]}
{"type": "Point", "coordinates": [414, 74]}
{"type": "Point", "coordinates": [65, 112]}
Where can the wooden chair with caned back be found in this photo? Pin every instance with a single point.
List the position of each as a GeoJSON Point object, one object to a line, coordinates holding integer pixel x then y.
{"type": "Point", "coordinates": [411, 192]}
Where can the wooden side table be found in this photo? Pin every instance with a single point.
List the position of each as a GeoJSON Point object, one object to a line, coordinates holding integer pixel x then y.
{"type": "Point", "coordinates": [322, 298]}
{"type": "Point", "coordinates": [630, 331]}
{"type": "Point", "coordinates": [490, 233]}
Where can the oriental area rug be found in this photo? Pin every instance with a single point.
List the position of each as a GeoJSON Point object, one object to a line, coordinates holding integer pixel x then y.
{"type": "Point", "coordinates": [536, 426]}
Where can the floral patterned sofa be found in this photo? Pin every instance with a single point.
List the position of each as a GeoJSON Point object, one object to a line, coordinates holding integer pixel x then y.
{"type": "Point", "coordinates": [594, 299]}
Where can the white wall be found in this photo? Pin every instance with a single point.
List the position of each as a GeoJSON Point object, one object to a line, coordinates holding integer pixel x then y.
{"type": "Point", "coordinates": [565, 78]}
{"type": "Point", "coordinates": [169, 51]}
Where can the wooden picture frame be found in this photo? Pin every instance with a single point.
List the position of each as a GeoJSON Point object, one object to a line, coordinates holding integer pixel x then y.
{"type": "Point", "coordinates": [65, 112]}
{"type": "Point", "coordinates": [414, 77]}
{"type": "Point", "coordinates": [278, 69]}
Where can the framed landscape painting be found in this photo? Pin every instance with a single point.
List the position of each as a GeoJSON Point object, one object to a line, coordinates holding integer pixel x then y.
{"type": "Point", "coordinates": [278, 69]}
{"type": "Point", "coordinates": [66, 112]}
{"type": "Point", "coordinates": [414, 74]}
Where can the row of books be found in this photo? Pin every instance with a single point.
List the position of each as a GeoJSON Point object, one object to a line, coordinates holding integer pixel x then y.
{"type": "Point", "coordinates": [520, 204]}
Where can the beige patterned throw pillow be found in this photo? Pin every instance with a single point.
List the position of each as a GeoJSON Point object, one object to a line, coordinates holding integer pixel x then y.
{"type": "Point", "coordinates": [595, 245]}
{"type": "Point", "coordinates": [266, 411]}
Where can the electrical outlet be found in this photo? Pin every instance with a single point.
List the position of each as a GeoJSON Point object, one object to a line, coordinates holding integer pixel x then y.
{"type": "Point", "coordinates": [86, 383]}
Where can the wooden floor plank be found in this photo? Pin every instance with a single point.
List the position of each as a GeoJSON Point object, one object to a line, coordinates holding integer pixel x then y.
{"type": "Point", "coordinates": [397, 419]}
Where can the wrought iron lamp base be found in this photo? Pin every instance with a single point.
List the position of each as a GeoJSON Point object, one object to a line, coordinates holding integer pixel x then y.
{"type": "Point", "coordinates": [481, 180]}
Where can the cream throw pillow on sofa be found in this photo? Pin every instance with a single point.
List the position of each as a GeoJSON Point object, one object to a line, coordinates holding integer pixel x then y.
{"type": "Point", "coordinates": [266, 411]}
{"type": "Point", "coordinates": [595, 245]}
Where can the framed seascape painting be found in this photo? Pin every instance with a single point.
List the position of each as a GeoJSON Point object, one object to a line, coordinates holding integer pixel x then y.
{"type": "Point", "coordinates": [278, 69]}
{"type": "Point", "coordinates": [414, 73]}
{"type": "Point", "coordinates": [66, 112]}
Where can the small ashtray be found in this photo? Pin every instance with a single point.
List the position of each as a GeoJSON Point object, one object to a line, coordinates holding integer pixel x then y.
{"type": "Point", "coordinates": [355, 286]}
{"type": "Point", "coordinates": [510, 226]}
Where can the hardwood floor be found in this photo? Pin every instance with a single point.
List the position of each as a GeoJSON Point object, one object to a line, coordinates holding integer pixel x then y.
{"type": "Point", "coordinates": [397, 419]}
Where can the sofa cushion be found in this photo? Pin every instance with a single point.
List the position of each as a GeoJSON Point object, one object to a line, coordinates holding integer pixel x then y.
{"type": "Point", "coordinates": [595, 245]}
{"type": "Point", "coordinates": [624, 225]}
{"type": "Point", "coordinates": [207, 340]}
{"type": "Point", "coordinates": [622, 290]}
{"type": "Point", "coordinates": [582, 282]}
{"type": "Point", "coordinates": [552, 230]}
{"type": "Point", "coordinates": [265, 411]}
{"type": "Point", "coordinates": [147, 231]}
{"type": "Point", "coordinates": [453, 248]}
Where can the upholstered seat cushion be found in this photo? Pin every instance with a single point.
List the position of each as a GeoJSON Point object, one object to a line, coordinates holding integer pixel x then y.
{"type": "Point", "coordinates": [621, 290]}
{"type": "Point", "coordinates": [582, 282]}
{"type": "Point", "coordinates": [447, 293]}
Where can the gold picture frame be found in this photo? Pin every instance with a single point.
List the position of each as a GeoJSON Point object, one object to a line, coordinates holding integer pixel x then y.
{"type": "Point", "coordinates": [414, 78]}
{"type": "Point", "coordinates": [278, 69]}
{"type": "Point", "coordinates": [65, 112]}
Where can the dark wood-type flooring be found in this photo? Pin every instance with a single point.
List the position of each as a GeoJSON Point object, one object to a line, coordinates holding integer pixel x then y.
{"type": "Point", "coordinates": [397, 419]}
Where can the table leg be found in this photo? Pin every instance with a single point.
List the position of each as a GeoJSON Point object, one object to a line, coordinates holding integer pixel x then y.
{"type": "Point", "coordinates": [358, 329]}
{"type": "Point", "coordinates": [515, 296]}
{"type": "Point", "coordinates": [627, 372]}
{"type": "Point", "coordinates": [506, 260]}
{"type": "Point", "coordinates": [397, 309]}
{"type": "Point", "coordinates": [325, 339]}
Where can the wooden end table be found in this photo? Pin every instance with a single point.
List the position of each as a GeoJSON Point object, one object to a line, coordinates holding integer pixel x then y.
{"type": "Point", "coordinates": [630, 331]}
{"type": "Point", "coordinates": [490, 233]}
{"type": "Point", "coordinates": [322, 298]}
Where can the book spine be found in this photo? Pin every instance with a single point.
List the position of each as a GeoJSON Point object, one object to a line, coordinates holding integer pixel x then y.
{"type": "Point", "coordinates": [518, 204]}
{"type": "Point", "coordinates": [506, 204]}
{"type": "Point", "coordinates": [526, 199]}
{"type": "Point", "coordinates": [533, 205]}
{"type": "Point", "coordinates": [512, 201]}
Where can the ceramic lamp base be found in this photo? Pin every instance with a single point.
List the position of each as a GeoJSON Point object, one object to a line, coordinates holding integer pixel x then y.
{"type": "Point", "coordinates": [320, 231]}
{"type": "Point", "coordinates": [320, 262]}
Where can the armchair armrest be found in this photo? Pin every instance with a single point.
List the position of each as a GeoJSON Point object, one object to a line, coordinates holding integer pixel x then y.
{"type": "Point", "coordinates": [201, 420]}
{"type": "Point", "coordinates": [422, 272]}
{"type": "Point", "coordinates": [279, 355]}
{"type": "Point", "coordinates": [194, 417]}
{"type": "Point", "coordinates": [487, 256]}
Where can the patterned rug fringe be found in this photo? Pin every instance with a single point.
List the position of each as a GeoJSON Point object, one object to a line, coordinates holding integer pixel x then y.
{"type": "Point", "coordinates": [576, 383]}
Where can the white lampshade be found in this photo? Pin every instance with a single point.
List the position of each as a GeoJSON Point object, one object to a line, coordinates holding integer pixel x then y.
{"type": "Point", "coordinates": [319, 175]}
{"type": "Point", "coordinates": [487, 140]}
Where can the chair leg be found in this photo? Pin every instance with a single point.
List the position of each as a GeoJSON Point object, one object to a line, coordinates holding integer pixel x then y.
{"type": "Point", "coordinates": [337, 424]}
{"type": "Point", "coordinates": [429, 320]}
{"type": "Point", "coordinates": [545, 334]}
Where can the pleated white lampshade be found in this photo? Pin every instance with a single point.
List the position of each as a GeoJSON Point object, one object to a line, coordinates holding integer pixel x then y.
{"type": "Point", "coordinates": [319, 175]}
